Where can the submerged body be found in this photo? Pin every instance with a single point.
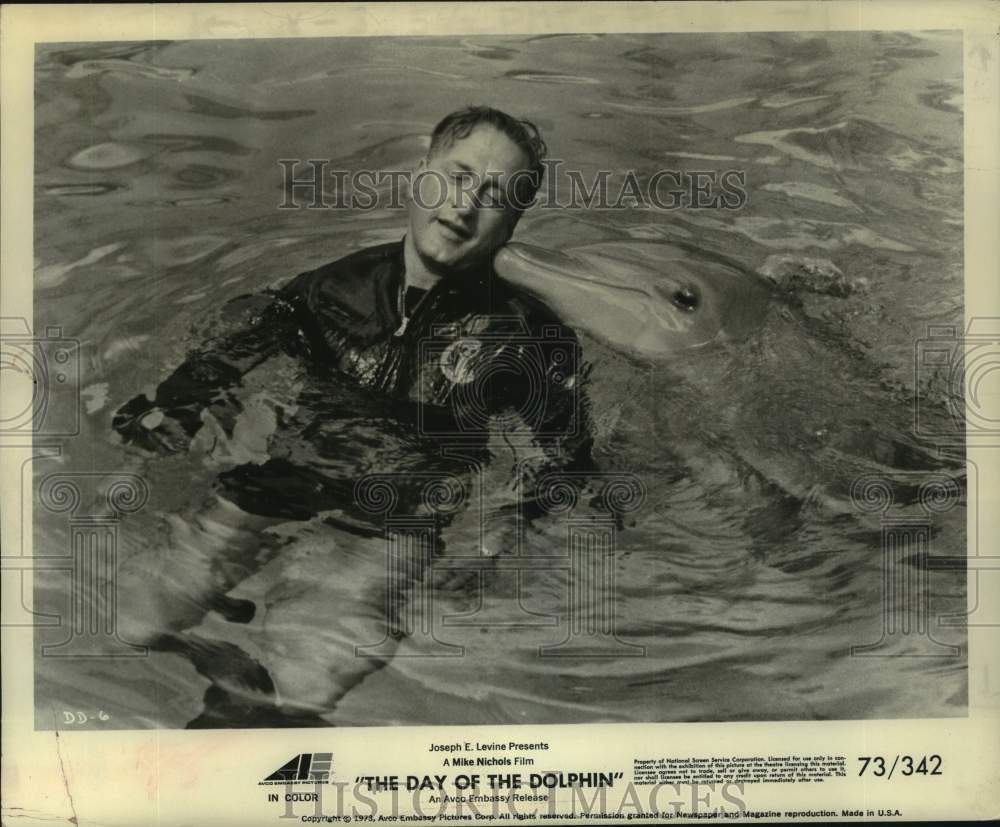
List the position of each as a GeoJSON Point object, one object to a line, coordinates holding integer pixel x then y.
{"type": "Point", "coordinates": [417, 398]}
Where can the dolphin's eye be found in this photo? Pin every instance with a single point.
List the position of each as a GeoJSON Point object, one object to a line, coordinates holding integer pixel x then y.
{"type": "Point", "coordinates": [686, 298]}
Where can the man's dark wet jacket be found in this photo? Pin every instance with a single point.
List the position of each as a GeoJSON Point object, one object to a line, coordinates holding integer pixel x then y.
{"type": "Point", "coordinates": [475, 359]}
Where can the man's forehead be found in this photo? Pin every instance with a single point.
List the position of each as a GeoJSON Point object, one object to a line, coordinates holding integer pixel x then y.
{"type": "Point", "coordinates": [484, 149]}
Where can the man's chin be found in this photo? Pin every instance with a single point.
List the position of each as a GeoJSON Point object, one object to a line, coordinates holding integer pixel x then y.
{"type": "Point", "coordinates": [453, 263]}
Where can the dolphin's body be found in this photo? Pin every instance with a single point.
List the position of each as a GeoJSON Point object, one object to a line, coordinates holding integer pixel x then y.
{"type": "Point", "coordinates": [645, 299]}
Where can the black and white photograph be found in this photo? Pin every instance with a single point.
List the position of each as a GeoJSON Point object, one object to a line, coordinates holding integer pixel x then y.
{"type": "Point", "coordinates": [545, 379]}
{"type": "Point", "coordinates": [593, 376]}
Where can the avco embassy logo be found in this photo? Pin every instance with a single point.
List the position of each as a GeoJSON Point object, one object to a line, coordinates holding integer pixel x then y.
{"type": "Point", "coordinates": [307, 768]}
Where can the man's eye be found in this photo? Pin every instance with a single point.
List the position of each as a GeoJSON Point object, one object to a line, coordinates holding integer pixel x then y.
{"type": "Point", "coordinates": [493, 199]}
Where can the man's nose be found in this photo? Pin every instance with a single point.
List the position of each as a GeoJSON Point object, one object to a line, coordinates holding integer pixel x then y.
{"type": "Point", "coordinates": [466, 200]}
{"type": "Point", "coordinates": [464, 203]}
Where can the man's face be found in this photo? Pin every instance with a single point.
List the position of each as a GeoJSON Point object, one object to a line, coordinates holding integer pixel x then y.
{"type": "Point", "coordinates": [461, 210]}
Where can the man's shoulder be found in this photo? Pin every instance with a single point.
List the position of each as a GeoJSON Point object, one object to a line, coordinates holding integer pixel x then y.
{"type": "Point", "coordinates": [359, 264]}
{"type": "Point", "coordinates": [349, 284]}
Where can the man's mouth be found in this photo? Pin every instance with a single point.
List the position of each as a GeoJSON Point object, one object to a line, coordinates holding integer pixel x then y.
{"type": "Point", "coordinates": [460, 231]}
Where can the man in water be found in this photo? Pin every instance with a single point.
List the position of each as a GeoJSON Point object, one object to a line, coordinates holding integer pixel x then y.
{"type": "Point", "coordinates": [416, 350]}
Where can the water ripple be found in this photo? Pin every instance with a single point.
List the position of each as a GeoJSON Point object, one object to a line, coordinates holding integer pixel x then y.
{"type": "Point", "coordinates": [694, 109]}
{"type": "Point", "coordinates": [202, 105]}
{"type": "Point", "coordinates": [203, 176]}
{"type": "Point", "coordinates": [197, 143]}
{"type": "Point", "coordinates": [95, 188]}
{"type": "Point", "coordinates": [86, 68]}
{"type": "Point", "coordinates": [109, 155]}
{"type": "Point", "coordinates": [853, 144]}
{"type": "Point", "coordinates": [538, 76]}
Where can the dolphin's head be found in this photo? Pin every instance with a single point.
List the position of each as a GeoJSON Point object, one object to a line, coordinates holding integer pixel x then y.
{"type": "Point", "coordinates": [644, 298]}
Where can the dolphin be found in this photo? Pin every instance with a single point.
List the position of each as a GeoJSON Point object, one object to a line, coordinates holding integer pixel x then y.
{"type": "Point", "coordinates": [650, 300]}
{"type": "Point", "coordinates": [804, 438]}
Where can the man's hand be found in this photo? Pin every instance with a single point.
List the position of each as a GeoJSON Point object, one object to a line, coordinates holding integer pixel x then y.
{"type": "Point", "coordinates": [143, 424]}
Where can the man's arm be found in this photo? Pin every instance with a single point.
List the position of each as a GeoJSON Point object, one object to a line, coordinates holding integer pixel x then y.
{"type": "Point", "coordinates": [206, 380]}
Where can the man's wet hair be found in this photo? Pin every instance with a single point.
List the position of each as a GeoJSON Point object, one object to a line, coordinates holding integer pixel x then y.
{"type": "Point", "coordinates": [523, 133]}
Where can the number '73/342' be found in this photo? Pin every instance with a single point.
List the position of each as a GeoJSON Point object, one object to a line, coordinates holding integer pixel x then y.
{"type": "Point", "coordinates": [881, 766]}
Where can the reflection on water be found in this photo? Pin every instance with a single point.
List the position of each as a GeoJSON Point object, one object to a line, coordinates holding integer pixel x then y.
{"type": "Point", "coordinates": [747, 575]}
